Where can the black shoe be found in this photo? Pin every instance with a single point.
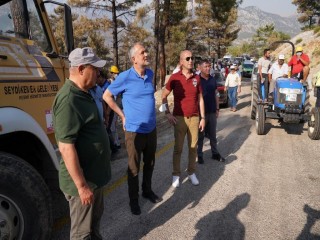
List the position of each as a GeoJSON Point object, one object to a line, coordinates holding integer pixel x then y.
{"type": "Point", "coordinates": [200, 160]}
{"type": "Point", "coordinates": [152, 197]}
{"type": "Point", "coordinates": [218, 157]}
{"type": "Point", "coordinates": [135, 208]}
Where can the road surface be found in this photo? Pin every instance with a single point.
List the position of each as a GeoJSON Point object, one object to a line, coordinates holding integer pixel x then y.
{"type": "Point", "coordinates": [268, 188]}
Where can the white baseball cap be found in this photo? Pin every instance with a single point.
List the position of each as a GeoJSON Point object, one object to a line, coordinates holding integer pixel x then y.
{"type": "Point", "coordinates": [83, 56]}
{"type": "Point", "coordinates": [281, 57]}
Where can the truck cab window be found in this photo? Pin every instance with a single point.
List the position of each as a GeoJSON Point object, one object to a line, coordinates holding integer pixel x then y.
{"type": "Point", "coordinates": [20, 19]}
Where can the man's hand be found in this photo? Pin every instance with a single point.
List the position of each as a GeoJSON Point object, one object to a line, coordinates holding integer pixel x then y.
{"type": "Point", "coordinates": [202, 124]}
{"type": "Point", "coordinates": [86, 195]}
{"type": "Point", "coordinates": [172, 120]}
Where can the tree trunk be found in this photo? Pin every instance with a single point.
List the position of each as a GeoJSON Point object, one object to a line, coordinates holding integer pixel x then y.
{"type": "Point", "coordinates": [19, 17]}
{"type": "Point", "coordinates": [115, 34]}
{"type": "Point", "coordinates": [162, 41]}
{"type": "Point", "coordinates": [156, 42]}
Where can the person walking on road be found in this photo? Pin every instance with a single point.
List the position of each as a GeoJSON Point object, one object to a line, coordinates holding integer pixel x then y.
{"type": "Point", "coordinates": [139, 122]}
{"type": "Point", "coordinates": [83, 144]}
{"type": "Point", "coordinates": [188, 99]}
{"type": "Point", "coordinates": [233, 86]}
{"type": "Point", "coordinates": [263, 68]}
{"type": "Point", "coordinates": [211, 102]}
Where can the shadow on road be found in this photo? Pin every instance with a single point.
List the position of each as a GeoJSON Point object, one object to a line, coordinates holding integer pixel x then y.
{"type": "Point", "coordinates": [312, 216]}
{"type": "Point", "coordinates": [186, 197]}
{"type": "Point", "coordinates": [224, 224]}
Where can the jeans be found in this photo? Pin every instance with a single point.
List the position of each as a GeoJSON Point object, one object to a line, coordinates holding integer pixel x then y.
{"type": "Point", "coordinates": [185, 126]}
{"type": "Point", "coordinates": [232, 94]}
{"type": "Point", "coordinates": [210, 132]}
{"type": "Point", "coordinates": [85, 219]}
{"type": "Point", "coordinates": [137, 144]}
{"type": "Point", "coordinates": [265, 83]}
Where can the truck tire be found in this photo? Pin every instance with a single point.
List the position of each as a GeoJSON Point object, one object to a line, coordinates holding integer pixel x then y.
{"type": "Point", "coordinates": [25, 201]}
{"type": "Point", "coordinates": [254, 99]}
{"type": "Point", "coordinates": [314, 124]}
{"type": "Point", "coordinates": [260, 120]}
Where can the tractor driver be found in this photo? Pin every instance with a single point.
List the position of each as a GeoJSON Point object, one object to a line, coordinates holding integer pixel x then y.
{"type": "Point", "coordinates": [278, 69]}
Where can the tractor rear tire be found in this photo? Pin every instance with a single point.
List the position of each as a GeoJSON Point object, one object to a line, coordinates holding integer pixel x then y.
{"type": "Point", "coordinates": [25, 201]}
{"type": "Point", "coordinates": [254, 100]}
{"type": "Point", "coordinates": [260, 119]}
{"type": "Point", "coordinates": [314, 124]}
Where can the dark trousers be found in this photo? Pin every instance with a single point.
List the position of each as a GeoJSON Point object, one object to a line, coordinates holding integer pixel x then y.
{"type": "Point", "coordinates": [210, 132]}
{"type": "Point", "coordinates": [318, 97]}
{"type": "Point", "coordinates": [266, 85]}
{"type": "Point", "coordinates": [137, 144]}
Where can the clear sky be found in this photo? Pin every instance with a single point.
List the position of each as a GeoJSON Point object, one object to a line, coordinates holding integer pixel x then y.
{"type": "Point", "coordinates": [283, 8]}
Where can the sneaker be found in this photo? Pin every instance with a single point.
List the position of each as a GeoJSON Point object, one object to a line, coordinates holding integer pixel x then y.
{"type": "Point", "coordinates": [194, 180]}
{"type": "Point", "coordinates": [175, 181]}
{"type": "Point", "coordinates": [135, 208]}
{"type": "Point", "coordinates": [218, 157]}
{"type": "Point", "coordinates": [200, 160]}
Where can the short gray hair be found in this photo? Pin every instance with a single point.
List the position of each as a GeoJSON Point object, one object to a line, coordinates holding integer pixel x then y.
{"type": "Point", "coordinates": [132, 50]}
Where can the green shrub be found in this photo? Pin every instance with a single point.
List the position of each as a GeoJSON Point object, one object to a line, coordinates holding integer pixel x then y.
{"type": "Point", "coordinates": [299, 40]}
{"type": "Point", "coordinates": [316, 30]}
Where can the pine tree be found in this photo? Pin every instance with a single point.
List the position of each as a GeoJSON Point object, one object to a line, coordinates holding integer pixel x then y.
{"type": "Point", "coordinates": [119, 11]}
{"type": "Point", "coordinates": [308, 10]}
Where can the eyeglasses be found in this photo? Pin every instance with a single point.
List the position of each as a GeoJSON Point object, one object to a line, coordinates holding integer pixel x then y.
{"type": "Point", "coordinates": [188, 59]}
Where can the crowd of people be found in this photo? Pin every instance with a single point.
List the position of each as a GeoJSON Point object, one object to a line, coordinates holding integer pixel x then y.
{"type": "Point", "coordinates": [87, 108]}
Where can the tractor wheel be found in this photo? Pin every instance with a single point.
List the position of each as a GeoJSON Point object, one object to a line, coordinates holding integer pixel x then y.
{"type": "Point", "coordinates": [307, 103]}
{"type": "Point", "coordinates": [314, 124]}
{"type": "Point", "coordinates": [254, 99]}
{"type": "Point", "coordinates": [260, 120]}
{"type": "Point", "coordinates": [25, 202]}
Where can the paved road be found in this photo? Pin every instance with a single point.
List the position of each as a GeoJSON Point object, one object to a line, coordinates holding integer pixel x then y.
{"type": "Point", "coordinates": [269, 188]}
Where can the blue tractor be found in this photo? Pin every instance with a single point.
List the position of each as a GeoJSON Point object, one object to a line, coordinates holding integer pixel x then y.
{"type": "Point", "coordinates": [289, 103]}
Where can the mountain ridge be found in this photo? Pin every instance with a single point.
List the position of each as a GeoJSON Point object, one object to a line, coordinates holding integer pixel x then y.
{"type": "Point", "coordinates": [251, 18]}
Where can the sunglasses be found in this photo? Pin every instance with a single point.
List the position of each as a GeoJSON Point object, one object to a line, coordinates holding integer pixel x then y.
{"type": "Point", "coordinates": [188, 58]}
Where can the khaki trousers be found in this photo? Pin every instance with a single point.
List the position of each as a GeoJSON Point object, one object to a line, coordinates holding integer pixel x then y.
{"type": "Point", "coordinates": [85, 219]}
{"type": "Point", "coordinates": [185, 126]}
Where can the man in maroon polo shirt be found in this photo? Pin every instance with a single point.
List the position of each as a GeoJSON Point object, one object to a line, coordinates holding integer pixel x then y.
{"type": "Point", "coordinates": [300, 64]}
{"type": "Point", "coordinates": [185, 117]}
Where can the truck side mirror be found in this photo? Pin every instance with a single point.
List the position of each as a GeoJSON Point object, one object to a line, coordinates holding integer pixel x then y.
{"type": "Point", "coordinates": [68, 29]}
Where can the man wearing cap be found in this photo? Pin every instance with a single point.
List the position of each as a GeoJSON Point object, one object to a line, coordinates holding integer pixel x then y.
{"type": "Point", "coordinates": [139, 123]}
{"type": "Point", "coordinates": [83, 143]}
{"type": "Point", "coordinates": [233, 85]}
{"type": "Point", "coordinates": [300, 65]}
{"type": "Point", "coordinates": [278, 69]}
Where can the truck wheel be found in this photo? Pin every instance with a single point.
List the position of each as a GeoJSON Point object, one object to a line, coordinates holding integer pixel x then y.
{"type": "Point", "coordinates": [25, 202]}
{"type": "Point", "coordinates": [254, 99]}
{"type": "Point", "coordinates": [260, 120]}
{"type": "Point", "coordinates": [314, 124]}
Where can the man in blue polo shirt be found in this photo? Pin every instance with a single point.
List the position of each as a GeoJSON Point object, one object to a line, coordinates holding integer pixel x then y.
{"type": "Point", "coordinates": [139, 122]}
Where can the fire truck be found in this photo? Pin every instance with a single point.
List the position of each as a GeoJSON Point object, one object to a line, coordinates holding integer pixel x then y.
{"type": "Point", "coordinates": [32, 70]}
